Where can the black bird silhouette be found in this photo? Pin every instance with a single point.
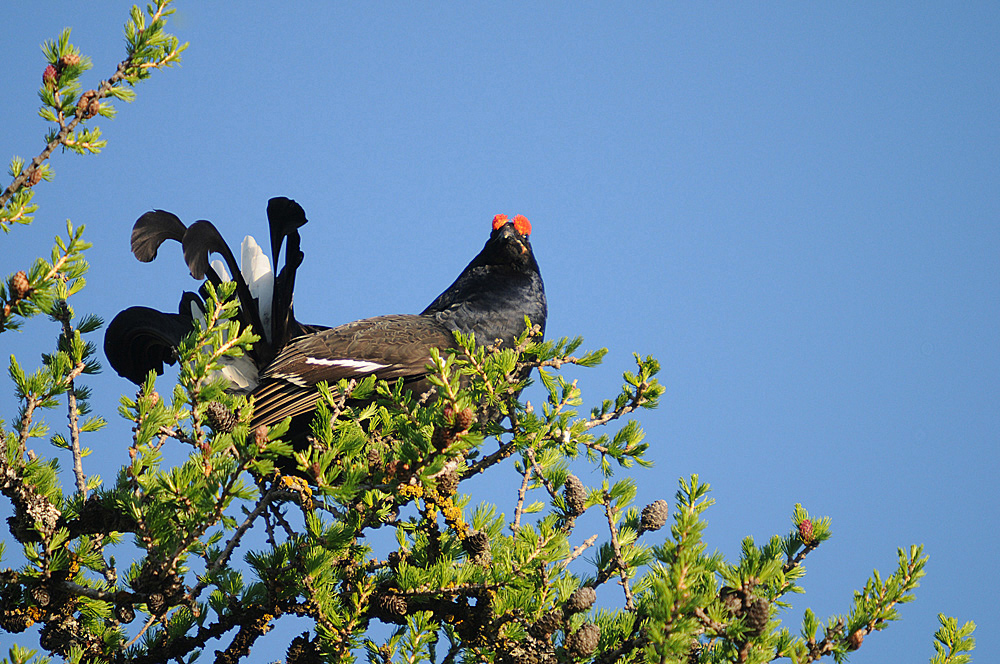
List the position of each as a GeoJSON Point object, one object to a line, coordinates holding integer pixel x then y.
{"type": "Point", "coordinates": [490, 298]}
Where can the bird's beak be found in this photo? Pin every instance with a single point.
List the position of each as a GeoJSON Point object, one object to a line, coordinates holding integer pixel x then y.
{"type": "Point", "coordinates": [510, 232]}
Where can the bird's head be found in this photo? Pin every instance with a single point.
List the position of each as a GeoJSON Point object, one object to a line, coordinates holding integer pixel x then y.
{"type": "Point", "coordinates": [509, 242]}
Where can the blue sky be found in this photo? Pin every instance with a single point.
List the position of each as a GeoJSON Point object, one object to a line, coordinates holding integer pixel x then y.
{"type": "Point", "coordinates": [793, 206]}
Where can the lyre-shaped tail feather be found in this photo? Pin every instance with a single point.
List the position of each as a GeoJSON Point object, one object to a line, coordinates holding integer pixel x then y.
{"type": "Point", "coordinates": [140, 340]}
{"type": "Point", "coordinates": [153, 229]}
{"type": "Point", "coordinates": [285, 217]}
{"type": "Point", "coordinates": [203, 238]}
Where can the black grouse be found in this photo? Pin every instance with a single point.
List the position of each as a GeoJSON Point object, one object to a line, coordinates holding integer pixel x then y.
{"type": "Point", "coordinates": [490, 298]}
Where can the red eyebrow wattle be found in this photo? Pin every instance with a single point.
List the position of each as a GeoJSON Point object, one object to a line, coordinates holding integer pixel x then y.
{"type": "Point", "coordinates": [522, 224]}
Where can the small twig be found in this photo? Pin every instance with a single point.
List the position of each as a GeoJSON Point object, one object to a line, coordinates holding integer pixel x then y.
{"type": "Point", "coordinates": [557, 362]}
{"type": "Point", "coordinates": [149, 623]}
{"type": "Point", "coordinates": [578, 551]}
{"type": "Point", "coordinates": [707, 622]}
{"type": "Point", "coordinates": [520, 501]}
{"type": "Point", "coordinates": [791, 563]}
{"type": "Point", "coordinates": [619, 559]}
{"type": "Point", "coordinates": [637, 400]}
{"type": "Point", "coordinates": [175, 433]}
{"type": "Point", "coordinates": [505, 451]}
{"type": "Point", "coordinates": [74, 414]}
{"type": "Point", "coordinates": [538, 472]}
{"type": "Point", "coordinates": [271, 539]}
{"type": "Point", "coordinates": [453, 591]}
{"type": "Point", "coordinates": [74, 440]}
{"type": "Point", "coordinates": [453, 651]}
{"type": "Point", "coordinates": [92, 593]}
{"type": "Point", "coordinates": [62, 137]}
{"type": "Point", "coordinates": [31, 401]}
{"type": "Point", "coordinates": [280, 518]}
{"type": "Point", "coordinates": [534, 554]}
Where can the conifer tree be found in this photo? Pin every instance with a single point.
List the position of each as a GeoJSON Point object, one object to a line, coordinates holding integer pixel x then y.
{"type": "Point", "coordinates": [168, 561]}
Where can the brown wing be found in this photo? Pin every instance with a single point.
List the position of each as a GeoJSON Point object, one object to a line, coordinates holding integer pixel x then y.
{"type": "Point", "coordinates": [389, 347]}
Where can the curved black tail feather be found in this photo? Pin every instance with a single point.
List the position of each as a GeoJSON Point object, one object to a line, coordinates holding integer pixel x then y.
{"type": "Point", "coordinates": [141, 339]}
{"type": "Point", "coordinates": [285, 217]}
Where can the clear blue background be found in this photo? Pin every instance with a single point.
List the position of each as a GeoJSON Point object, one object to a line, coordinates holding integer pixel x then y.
{"type": "Point", "coordinates": [793, 206]}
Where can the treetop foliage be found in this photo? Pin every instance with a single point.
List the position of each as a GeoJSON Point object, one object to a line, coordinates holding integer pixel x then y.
{"type": "Point", "coordinates": [166, 561]}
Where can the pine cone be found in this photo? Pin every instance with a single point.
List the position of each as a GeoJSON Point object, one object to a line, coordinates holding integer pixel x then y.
{"type": "Point", "coordinates": [694, 654]}
{"type": "Point", "coordinates": [156, 603]}
{"type": "Point", "coordinates": [49, 77]}
{"type": "Point", "coordinates": [125, 613]}
{"type": "Point", "coordinates": [88, 105]}
{"type": "Point", "coordinates": [34, 178]}
{"type": "Point", "coordinates": [856, 638]}
{"type": "Point", "coordinates": [464, 420]}
{"type": "Point", "coordinates": [806, 531]}
{"type": "Point", "coordinates": [41, 596]}
{"type": "Point", "coordinates": [19, 284]}
{"type": "Point", "coordinates": [583, 642]}
{"type": "Point", "coordinates": [59, 635]}
{"type": "Point", "coordinates": [547, 625]}
{"type": "Point", "coordinates": [220, 418]}
{"type": "Point", "coordinates": [477, 545]}
{"type": "Point", "coordinates": [161, 587]}
{"type": "Point", "coordinates": [394, 558]}
{"type": "Point", "coordinates": [756, 616]}
{"type": "Point", "coordinates": [581, 599]}
{"type": "Point", "coordinates": [69, 60]}
{"type": "Point", "coordinates": [15, 621]}
{"type": "Point", "coordinates": [653, 516]}
{"type": "Point", "coordinates": [447, 483]}
{"type": "Point", "coordinates": [732, 599]}
{"type": "Point", "coordinates": [525, 651]}
{"type": "Point", "coordinates": [390, 604]}
{"type": "Point", "coordinates": [441, 438]}
{"type": "Point", "coordinates": [575, 495]}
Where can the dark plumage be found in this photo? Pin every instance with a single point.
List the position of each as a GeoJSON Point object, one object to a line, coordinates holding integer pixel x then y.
{"type": "Point", "coordinates": [140, 339]}
{"type": "Point", "coordinates": [389, 346]}
{"type": "Point", "coordinates": [490, 298]}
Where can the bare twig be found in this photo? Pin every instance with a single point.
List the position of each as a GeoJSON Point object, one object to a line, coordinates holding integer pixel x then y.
{"type": "Point", "coordinates": [145, 628]}
{"type": "Point", "coordinates": [74, 438]}
{"type": "Point", "coordinates": [619, 559]}
{"type": "Point", "coordinates": [84, 591]}
{"type": "Point", "coordinates": [31, 401]}
{"type": "Point", "coordinates": [280, 518]}
{"type": "Point", "coordinates": [73, 413]}
{"type": "Point", "coordinates": [792, 563]}
{"type": "Point", "coordinates": [538, 473]}
{"type": "Point", "coordinates": [578, 551]}
{"type": "Point", "coordinates": [557, 362]}
{"type": "Point", "coordinates": [520, 501]}
{"type": "Point", "coordinates": [707, 622]}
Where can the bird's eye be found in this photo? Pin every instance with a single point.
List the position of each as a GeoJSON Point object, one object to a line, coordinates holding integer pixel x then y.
{"type": "Point", "coordinates": [499, 221]}
{"type": "Point", "coordinates": [521, 223]}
